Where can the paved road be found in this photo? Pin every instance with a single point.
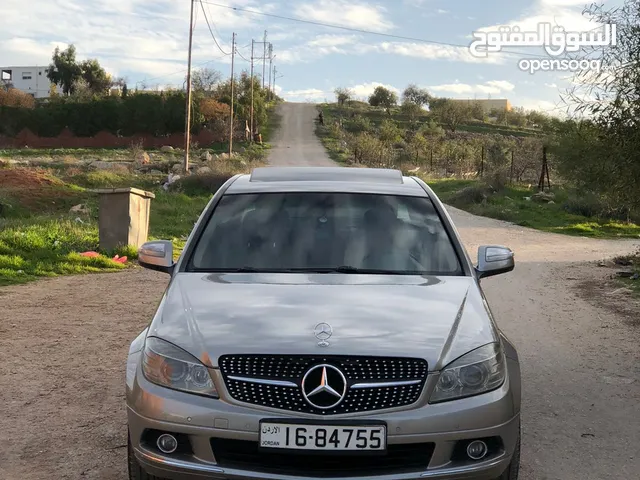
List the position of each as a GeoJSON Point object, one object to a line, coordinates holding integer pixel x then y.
{"type": "Point", "coordinates": [581, 368]}
{"type": "Point", "coordinates": [63, 343]}
{"type": "Point", "coordinates": [295, 142]}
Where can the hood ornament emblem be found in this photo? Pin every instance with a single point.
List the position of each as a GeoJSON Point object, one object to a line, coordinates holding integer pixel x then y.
{"type": "Point", "coordinates": [323, 332]}
{"type": "Point", "coordinates": [324, 386]}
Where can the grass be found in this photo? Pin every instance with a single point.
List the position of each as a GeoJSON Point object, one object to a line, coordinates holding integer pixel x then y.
{"type": "Point", "coordinates": [46, 247]}
{"type": "Point", "coordinates": [40, 237]}
{"type": "Point", "coordinates": [377, 116]}
{"type": "Point", "coordinates": [511, 204]}
{"type": "Point", "coordinates": [332, 145]}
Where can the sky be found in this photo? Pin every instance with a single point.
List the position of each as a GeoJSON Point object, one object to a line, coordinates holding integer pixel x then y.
{"type": "Point", "coordinates": [146, 42]}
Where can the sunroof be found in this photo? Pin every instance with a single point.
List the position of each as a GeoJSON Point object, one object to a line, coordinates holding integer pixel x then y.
{"type": "Point", "coordinates": [326, 174]}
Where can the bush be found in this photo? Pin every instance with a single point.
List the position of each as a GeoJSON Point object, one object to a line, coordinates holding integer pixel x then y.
{"type": "Point", "coordinates": [156, 114]}
{"type": "Point", "coordinates": [473, 194]}
{"type": "Point", "coordinates": [205, 184]}
{"type": "Point", "coordinates": [588, 206]}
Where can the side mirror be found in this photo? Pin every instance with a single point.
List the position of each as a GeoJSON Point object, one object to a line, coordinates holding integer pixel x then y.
{"type": "Point", "coordinates": [157, 255]}
{"type": "Point", "coordinates": [494, 260]}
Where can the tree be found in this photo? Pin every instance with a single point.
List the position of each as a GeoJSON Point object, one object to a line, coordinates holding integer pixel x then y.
{"type": "Point", "coordinates": [205, 81]}
{"type": "Point", "coordinates": [450, 113]}
{"type": "Point", "coordinates": [476, 111]}
{"type": "Point", "coordinates": [125, 91]}
{"type": "Point", "coordinates": [343, 95]}
{"type": "Point", "coordinates": [11, 97]}
{"type": "Point", "coordinates": [389, 132]}
{"type": "Point", "coordinates": [416, 95]}
{"type": "Point", "coordinates": [98, 80]}
{"type": "Point", "coordinates": [383, 97]}
{"type": "Point", "coordinates": [64, 70]}
{"type": "Point", "coordinates": [603, 155]}
{"type": "Point", "coordinates": [211, 109]}
{"type": "Point", "coordinates": [411, 109]}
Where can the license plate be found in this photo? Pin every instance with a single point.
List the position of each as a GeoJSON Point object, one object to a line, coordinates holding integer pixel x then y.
{"type": "Point", "coordinates": [323, 437]}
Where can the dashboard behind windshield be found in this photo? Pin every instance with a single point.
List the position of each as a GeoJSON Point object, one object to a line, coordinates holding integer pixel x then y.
{"type": "Point", "coordinates": [325, 232]}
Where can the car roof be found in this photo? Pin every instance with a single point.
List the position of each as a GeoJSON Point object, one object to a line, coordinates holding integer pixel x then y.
{"type": "Point", "coordinates": [327, 179]}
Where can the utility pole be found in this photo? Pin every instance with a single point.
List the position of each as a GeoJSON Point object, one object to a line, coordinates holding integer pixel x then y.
{"type": "Point", "coordinates": [275, 70]}
{"type": "Point", "coordinates": [264, 59]}
{"type": "Point", "coordinates": [187, 128]}
{"type": "Point", "coordinates": [233, 57]}
{"type": "Point", "coordinates": [252, 82]}
{"type": "Point", "coordinates": [270, 68]}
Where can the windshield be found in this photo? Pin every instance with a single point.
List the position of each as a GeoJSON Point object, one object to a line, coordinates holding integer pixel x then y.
{"type": "Point", "coordinates": [325, 232]}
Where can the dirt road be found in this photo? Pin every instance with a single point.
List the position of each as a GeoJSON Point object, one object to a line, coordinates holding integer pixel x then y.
{"type": "Point", "coordinates": [63, 344]}
{"type": "Point", "coordinates": [295, 144]}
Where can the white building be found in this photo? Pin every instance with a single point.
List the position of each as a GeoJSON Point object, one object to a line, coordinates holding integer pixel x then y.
{"type": "Point", "coordinates": [31, 80]}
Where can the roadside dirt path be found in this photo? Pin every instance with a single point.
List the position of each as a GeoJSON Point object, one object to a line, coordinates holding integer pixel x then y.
{"type": "Point", "coordinates": [295, 143]}
{"type": "Point", "coordinates": [63, 344]}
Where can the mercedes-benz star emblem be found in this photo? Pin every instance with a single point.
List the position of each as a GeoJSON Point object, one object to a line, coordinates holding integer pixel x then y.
{"type": "Point", "coordinates": [323, 332]}
{"type": "Point", "coordinates": [324, 386]}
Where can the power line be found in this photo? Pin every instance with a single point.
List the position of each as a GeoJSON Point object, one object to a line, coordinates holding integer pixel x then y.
{"type": "Point", "coordinates": [145, 80]}
{"type": "Point", "coordinates": [241, 56]}
{"type": "Point", "coordinates": [356, 30]}
{"type": "Point", "coordinates": [210, 30]}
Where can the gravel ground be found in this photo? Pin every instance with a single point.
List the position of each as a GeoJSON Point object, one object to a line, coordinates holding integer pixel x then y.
{"type": "Point", "coordinates": [63, 344]}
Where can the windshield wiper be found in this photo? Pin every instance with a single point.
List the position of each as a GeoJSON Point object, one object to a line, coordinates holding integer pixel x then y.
{"type": "Point", "coordinates": [346, 269]}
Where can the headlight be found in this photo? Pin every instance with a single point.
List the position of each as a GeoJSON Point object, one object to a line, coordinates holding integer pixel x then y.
{"type": "Point", "coordinates": [169, 366]}
{"type": "Point", "coordinates": [479, 371]}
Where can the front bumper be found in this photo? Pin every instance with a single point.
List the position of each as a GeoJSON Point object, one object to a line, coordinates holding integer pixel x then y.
{"type": "Point", "coordinates": [491, 415]}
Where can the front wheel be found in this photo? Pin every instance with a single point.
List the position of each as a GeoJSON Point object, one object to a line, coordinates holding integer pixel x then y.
{"type": "Point", "coordinates": [135, 470]}
{"type": "Point", "coordinates": [511, 473]}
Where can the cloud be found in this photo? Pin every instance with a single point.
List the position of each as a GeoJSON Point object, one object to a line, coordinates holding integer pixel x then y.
{"type": "Point", "coordinates": [364, 90]}
{"type": "Point", "coordinates": [346, 13]}
{"type": "Point", "coordinates": [145, 37]}
{"type": "Point", "coordinates": [565, 13]}
{"type": "Point", "coordinates": [493, 87]}
{"type": "Point", "coordinates": [529, 103]}
{"type": "Point", "coordinates": [433, 52]}
{"type": "Point", "coordinates": [332, 40]}
{"type": "Point", "coordinates": [307, 95]}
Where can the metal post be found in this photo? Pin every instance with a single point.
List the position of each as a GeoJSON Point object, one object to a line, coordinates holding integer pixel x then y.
{"type": "Point", "coordinates": [264, 58]}
{"type": "Point", "coordinates": [270, 69]}
{"type": "Point", "coordinates": [187, 128]}
{"type": "Point", "coordinates": [252, 82]}
{"type": "Point", "coordinates": [511, 174]}
{"type": "Point", "coordinates": [233, 57]}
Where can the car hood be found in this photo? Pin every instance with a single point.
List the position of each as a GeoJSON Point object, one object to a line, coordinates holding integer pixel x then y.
{"type": "Point", "coordinates": [435, 318]}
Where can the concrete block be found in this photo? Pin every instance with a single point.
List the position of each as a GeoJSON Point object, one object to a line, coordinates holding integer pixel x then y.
{"type": "Point", "coordinates": [123, 217]}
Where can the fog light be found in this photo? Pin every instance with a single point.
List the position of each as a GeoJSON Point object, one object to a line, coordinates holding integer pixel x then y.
{"type": "Point", "coordinates": [477, 450]}
{"type": "Point", "coordinates": [167, 443]}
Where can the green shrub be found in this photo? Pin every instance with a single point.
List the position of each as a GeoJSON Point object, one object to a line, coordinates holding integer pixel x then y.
{"type": "Point", "coordinates": [588, 206]}
{"type": "Point", "coordinates": [203, 184]}
{"type": "Point", "coordinates": [473, 194]}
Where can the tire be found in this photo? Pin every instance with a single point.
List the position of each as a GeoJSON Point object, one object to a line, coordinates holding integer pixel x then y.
{"type": "Point", "coordinates": [135, 470]}
{"type": "Point", "coordinates": [511, 473]}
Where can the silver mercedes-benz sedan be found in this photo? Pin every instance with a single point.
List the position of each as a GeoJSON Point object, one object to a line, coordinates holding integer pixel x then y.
{"type": "Point", "coordinates": [324, 323]}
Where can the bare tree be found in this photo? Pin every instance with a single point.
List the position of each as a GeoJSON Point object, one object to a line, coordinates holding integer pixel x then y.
{"type": "Point", "coordinates": [205, 81]}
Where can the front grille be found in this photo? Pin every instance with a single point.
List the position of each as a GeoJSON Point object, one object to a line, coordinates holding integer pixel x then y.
{"type": "Point", "coordinates": [355, 369]}
{"type": "Point", "coordinates": [245, 455]}
{"type": "Point", "coordinates": [291, 367]}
